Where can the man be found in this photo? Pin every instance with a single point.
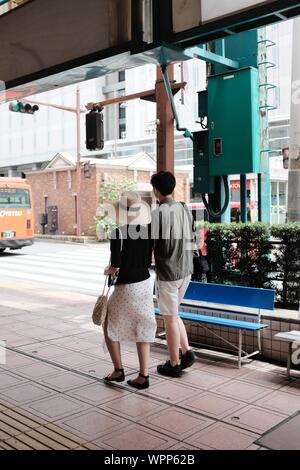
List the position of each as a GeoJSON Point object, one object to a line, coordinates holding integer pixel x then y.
{"type": "Point", "coordinates": [173, 237]}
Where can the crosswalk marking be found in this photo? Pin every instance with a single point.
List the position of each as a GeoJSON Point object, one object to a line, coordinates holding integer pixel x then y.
{"type": "Point", "coordinates": [80, 271]}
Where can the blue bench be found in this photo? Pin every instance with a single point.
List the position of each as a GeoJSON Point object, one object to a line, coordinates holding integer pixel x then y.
{"type": "Point", "coordinates": [237, 296]}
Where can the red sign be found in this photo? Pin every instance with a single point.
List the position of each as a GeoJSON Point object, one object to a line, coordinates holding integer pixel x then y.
{"type": "Point", "coordinates": [235, 185]}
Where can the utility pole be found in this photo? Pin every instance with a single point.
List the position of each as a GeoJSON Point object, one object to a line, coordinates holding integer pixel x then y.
{"type": "Point", "coordinates": [78, 166]}
{"type": "Point", "coordinates": [165, 127]}
{"type": "Point", "coordinates": [78, 111]}
{"type": "Point", "coordinates": [294, 153]}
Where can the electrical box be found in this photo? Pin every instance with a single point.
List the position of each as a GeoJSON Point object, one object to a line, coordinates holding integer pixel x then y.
{"type": "Point", "coordinates": [202, 104]}
{"type": "Point", "coordinates": [203, 182]}
{"type": "Point", "coordinates": [234, 123]}
{"type": "Point", "coordinates": [52, 218]}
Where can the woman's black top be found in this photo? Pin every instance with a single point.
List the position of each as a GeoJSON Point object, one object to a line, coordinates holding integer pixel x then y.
{"type": "Point", "coordinates": [135, 258]}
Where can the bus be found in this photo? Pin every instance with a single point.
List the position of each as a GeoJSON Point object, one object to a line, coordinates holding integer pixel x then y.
{"type": "Point", "coordinates": [16, 214]}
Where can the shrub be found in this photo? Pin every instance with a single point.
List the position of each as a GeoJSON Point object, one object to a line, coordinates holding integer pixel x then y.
{"type": "Point", "coordinates": [257, 255]}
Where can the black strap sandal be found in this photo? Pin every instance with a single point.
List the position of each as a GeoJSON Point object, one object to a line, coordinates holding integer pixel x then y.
{"type": "Point", "coordinates": [139, 386]}
{"type": "Point", "coordinates": [119, 378]}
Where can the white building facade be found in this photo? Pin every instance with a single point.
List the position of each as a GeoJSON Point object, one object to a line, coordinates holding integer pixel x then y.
{"type": "Point", "coordinates": [29, 142]}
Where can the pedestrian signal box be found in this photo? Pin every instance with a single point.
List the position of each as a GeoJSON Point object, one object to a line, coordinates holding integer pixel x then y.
{"type": "Point", "coordinates": [234, 123]}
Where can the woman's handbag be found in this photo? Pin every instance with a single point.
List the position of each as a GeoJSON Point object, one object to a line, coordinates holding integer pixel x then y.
{"type": "Point", "coordinates": [100, 309]}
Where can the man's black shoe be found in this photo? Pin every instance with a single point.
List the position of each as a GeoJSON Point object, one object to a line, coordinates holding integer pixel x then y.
{"type": "Point", "coordinates": [187, 359]}
{"type": "Point", "coordinates": [168, 370]}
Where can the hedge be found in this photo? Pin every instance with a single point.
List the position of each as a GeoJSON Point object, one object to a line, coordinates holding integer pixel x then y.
{"type": "Point", "coordinates": [257, 255]}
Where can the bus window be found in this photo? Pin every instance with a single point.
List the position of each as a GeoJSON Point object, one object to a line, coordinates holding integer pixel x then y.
{"type": "Point", "coordinates": [14, 198]}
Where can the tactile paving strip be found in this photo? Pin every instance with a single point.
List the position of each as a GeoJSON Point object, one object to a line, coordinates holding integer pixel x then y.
{"type": "Point", "coordinates": [20, 430]}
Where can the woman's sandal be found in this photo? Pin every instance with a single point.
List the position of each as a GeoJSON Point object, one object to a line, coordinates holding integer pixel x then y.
{"type": "Point", "coordinates": [119, 378]}
{"type": "Point", "coordinates": [139, 386]}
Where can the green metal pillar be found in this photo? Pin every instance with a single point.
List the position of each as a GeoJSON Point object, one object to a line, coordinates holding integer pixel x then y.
{"type": "Point", "coordinates": [264, 202]}
{"type": "Point", "coordinates": [243, 195]}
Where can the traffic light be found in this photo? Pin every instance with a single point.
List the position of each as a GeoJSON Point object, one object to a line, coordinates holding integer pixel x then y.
{"type": "Point", "coordinates": [95, 129]}
{"type": "Point", "coordinates": [24, 108]}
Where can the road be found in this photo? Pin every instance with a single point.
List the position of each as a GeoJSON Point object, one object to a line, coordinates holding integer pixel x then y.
{"type": "Point", "coordinates": [63, 266]}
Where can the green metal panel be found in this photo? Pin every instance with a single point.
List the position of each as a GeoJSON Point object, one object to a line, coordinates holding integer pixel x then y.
{"type": "Point", "coordinates": [234, 131]}
{"type": "Point", "coordinates": [241, 47]}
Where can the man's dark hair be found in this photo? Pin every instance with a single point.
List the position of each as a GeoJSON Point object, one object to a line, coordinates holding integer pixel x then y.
{"type": "Point", "coordinates": [164, 182]}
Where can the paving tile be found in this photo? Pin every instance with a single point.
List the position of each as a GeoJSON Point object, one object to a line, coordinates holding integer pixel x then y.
{"type": "Point", "coordinates": [73, 359]}
{"type": "Point", "coordinates": [14, 361]}
{"type": "Point", "coordinates": [292, 387]}
{"type": "Point", "coordinates": [265, 378]}
{"type": "Point", "coordinates": [176, 423]}
{"type": "Point", "coordinates": [228, 370]}
{"type": "Point", "coordinates": [39, 333]}
{"type": "Point", "coordinates": [243, 391]}
{"type": "Point", "coordinates": [25, 393]}
{"type": "Point", "coordinates": [221, 436]}
{"type": "Point", "coordinates": [45, 351]}
{"type": "Point", "coordinates": [202, 379]}
{"type": "Point", "coordinates": [99, 368]}
{"type": "Point", "coordinates": [212, 405]}
{"type": "Point", "coordinates": [256, 419]}
{"type": "Point", "coordinates": [56, 407]}
{"type": "Point", "coordinates": [17, 341]}
{"type": "Point", "coordinates": [65, 381]}
{"type": "Point", "coordinates": [135, 437]}
{"type": "Point", "coordinates": [92, 424]}
{"type": "Point", "coordinates": [134, 407]}
{"type": "Point", "coordinates": [282, 402]}
{"type": "Point", "coordinates": [8, 379]}
{"type": "Point", "coordinates": [183, 446]}
{"type": "Point", "coordinates": [171, 391]}
{"type": "Point", "coordinates": [98, 393]}
{"type": "Point", "coordinates": [37, 370]}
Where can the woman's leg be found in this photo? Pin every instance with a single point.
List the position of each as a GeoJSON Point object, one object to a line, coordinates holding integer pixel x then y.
{"type": "Point", "coordinates": [143, 350]}
{"type": "Point", "coordinates": [114, 350]}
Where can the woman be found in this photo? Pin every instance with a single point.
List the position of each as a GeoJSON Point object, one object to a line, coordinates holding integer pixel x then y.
{"type": "Point", "coordinates": [130, 315]}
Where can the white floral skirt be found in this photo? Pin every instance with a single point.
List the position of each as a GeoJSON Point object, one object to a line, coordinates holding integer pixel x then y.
{"type": "Point", "coordinates": [130, 314]}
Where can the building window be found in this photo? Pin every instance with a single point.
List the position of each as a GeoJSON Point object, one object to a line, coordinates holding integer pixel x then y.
{"type": "Point", "coordinates": [122, 131]}
{"type": "Point", "coordinates": [278, 202]}
{"type": "Point", "coordinates": [122, 76]}
{"type": "Point", "coordinates": [122, 111]}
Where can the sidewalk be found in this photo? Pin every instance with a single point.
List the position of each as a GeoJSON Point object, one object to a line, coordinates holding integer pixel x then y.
{"type": "Point", "coordinates": [52, 395]}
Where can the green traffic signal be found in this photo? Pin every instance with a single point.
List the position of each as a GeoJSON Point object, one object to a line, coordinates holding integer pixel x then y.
{"type": "Point", "coordinates": [23, 108]}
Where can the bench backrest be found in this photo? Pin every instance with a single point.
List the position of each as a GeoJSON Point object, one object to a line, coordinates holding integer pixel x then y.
{"type": "Point", "coordinates": [231, 295]}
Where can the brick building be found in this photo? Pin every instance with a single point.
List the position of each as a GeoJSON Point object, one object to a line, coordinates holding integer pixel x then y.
{"type": "Point", "coordinates": [55, 185]}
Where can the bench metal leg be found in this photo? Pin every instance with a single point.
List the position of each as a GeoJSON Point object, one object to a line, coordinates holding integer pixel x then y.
{"type": "Point", "coordinates": [240, 349]}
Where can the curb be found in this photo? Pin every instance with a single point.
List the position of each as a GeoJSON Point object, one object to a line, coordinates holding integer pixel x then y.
{"type": "Point", "coordinates": [67, 239]}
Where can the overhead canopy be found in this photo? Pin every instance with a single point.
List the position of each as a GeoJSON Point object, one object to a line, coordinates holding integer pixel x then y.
{"type": "Point", "coordinates": [209, 19]}
{"type": "Point", "coordinates": [47, 44]}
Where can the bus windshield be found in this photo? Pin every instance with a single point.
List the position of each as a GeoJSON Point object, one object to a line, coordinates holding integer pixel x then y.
{"type": "Point", "coordinates": [14, 198]}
